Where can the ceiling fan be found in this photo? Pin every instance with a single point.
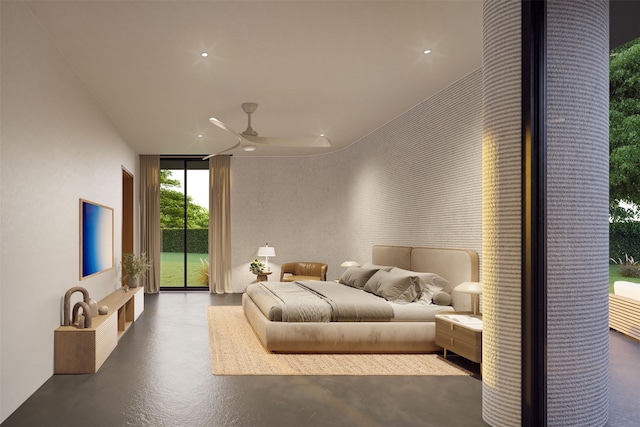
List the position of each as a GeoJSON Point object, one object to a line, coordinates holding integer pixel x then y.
{"type": "Point", "coordinates": [249, 138]}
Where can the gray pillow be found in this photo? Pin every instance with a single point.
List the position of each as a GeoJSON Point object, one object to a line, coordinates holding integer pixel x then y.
{"type": "Point", "coordinates": [441, 298]}
{"type": "Point", "coordinates": [356, 277]}
{"type": "Point", "coordinates": [379, 267]}
{"type": "Point", "coordinates": [374, 282]}
{"type": "Point", "coordinates": [432, 280]}
{"type": "Point", "coordinates": [400, 289]}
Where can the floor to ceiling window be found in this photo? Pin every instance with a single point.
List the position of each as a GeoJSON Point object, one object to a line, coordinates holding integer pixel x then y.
{"type": "Point", "coordinates": [184, 223]}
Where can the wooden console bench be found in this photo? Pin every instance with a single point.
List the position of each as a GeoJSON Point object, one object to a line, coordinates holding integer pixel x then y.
{"type": "Point", "coordinates": [83, 351]}
{"type": "Point", "coordinates": [624, 315]}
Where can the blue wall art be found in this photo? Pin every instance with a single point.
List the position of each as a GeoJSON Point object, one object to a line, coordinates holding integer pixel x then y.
{"type": "Point", "coordinates": [96, 238]}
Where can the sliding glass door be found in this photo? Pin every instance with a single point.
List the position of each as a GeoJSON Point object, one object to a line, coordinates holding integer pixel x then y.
{"type": "Point", "coordinates": [184, 223]}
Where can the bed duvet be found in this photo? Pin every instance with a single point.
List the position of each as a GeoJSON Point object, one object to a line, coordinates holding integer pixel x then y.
{"type": "Point", "coordinates": [317, 301]}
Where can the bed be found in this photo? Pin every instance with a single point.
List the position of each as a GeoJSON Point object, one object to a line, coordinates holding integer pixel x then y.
{"type": "Point", "coordinates": [405, 329]}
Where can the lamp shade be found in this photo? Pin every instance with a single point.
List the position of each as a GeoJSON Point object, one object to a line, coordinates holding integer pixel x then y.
{"type": "Point", "coordinates": [350, 264]}
{"type": "Point", "coordinates": [470, 288]}
{"type": "Point", "coordinates": [269, 251]}
{"type": "Point", "coordinates": [473, 288]}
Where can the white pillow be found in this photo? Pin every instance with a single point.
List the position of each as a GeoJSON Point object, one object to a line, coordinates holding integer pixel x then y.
{"type": "Point", "coordinates": [441, 298]}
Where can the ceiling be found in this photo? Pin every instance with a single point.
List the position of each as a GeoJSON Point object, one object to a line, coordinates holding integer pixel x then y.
{"type": "Point", "coordinates": [342, 68]}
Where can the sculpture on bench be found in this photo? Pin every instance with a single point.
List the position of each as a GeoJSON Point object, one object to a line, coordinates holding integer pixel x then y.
{"type": "Point", "coordinates": [89, 307]}
{"type": "Point", "coordinates": [84, 320]}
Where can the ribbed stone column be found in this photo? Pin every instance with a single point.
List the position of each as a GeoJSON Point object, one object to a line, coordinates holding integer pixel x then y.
{"type": "Point", "coordinates": [577, 213]}
{"type": "Point", "coordinates": [501, 206]}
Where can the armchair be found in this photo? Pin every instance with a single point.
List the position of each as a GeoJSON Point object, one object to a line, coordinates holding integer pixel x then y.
{"type": "Point", "coordinates": [292, 271]}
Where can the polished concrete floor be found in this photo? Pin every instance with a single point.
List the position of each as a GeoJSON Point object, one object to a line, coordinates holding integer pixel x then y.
{"type": "Point", "coordinates": [160, 375]}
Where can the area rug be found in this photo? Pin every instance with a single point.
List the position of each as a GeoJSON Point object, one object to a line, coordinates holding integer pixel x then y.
{"type": "Point", "coordinates": [236, 350]}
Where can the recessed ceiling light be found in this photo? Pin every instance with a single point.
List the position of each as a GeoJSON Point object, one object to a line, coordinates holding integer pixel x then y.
{"type": "Point", "coordinates": [204, 54]}
{"type": "Point", "coordinates": [426, 52]}
{"type": "Point", "coordinates": [199, 135]}
{"type": "Point", "coordinates": [322, 134]}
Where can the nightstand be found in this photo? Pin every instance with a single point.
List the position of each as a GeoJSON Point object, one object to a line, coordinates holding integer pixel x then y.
{"type": "Point", "coordinates": [460, 333]}
{"type": "Point", "coordinates": [262, 277]}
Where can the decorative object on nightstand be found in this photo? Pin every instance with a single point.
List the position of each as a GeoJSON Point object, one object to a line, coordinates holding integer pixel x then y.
{"type": "Point", "coordinates": [348, 264]}
{"type": "Point", "coordinates": [266, 251]}
{"type": "Point", "coordinates": [258, 268]}
{"type": "Point", "coordinates": [475, 290]}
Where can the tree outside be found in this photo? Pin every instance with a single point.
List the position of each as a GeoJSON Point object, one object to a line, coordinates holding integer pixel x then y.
{"type": "Point", "coordinates": [172, 205]}
{"type": "Point", "coordinates": [624, 128]}
{"type": "Point", "coordinates": [624, 161]}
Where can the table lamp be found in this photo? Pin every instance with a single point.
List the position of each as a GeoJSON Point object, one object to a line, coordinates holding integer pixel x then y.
{"type": "Point", "coordinates": [473, 288]}
{"type": "Point", "coordinates": [266, 251]}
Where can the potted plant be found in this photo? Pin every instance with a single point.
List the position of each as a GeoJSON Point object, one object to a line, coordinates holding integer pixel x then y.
{"type": "Point", "coordinates": [256, 267]}
{"type": "Point", "coordinates": [133, 267]}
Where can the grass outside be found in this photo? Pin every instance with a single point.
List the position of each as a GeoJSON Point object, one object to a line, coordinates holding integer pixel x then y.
{"type": "Point", "coordinates": [614, 274]}
{"type": "Point", "coordinates": [172, 269]}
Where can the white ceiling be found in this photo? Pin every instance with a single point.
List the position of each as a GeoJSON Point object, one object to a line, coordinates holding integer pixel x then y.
{"type": "Point", "coordinates": [343, 68]}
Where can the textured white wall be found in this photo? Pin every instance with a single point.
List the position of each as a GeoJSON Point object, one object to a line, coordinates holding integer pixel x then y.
{"type": "Point", "coordinates": [57, 147]}
{"type": "Point", "coordinates": [415, 181]}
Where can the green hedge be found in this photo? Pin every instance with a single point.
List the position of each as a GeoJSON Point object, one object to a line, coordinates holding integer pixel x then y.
{"type": "Point", "coordinates": [197, 240]}
{"type": "Point", "coordinates": [624, 238]}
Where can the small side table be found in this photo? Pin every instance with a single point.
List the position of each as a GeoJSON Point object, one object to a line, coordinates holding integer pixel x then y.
{"type": "Point", "coordinates": [262, 277]}
{"type": "Point", "coordinates": [460, 333]}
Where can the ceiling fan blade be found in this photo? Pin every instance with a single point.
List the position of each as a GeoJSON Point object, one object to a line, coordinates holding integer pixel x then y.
{"type": "Point", "coordinates": [286, 141]}
{"type": "Point", "coordinates": [223, 151]}
{"type": "Point", "coordinates": [222, 126]}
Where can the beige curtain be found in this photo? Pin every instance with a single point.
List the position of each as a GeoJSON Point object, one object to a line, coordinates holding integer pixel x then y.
{"type": "Point", "coordinates": [219, 225]}
{"type": "Point", "coordinates": [150, 219]}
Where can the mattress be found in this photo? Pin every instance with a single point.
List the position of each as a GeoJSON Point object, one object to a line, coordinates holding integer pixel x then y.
{"type": "Point", "coordinates": [417, 311]}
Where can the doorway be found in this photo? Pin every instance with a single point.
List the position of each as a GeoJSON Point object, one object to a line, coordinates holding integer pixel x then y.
{"type": "Point", "coordinates": [127, 212]}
